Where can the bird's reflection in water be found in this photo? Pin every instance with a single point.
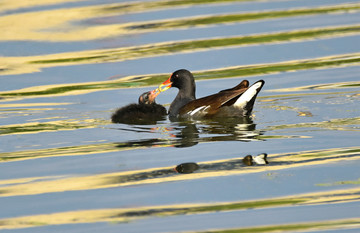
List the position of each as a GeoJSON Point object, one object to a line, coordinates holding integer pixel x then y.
{"type": "Point", "coordinates": [249, 160]}
{"type": "Point", "coordinates": [191, 167]}
{"type": "Point", "coordinates": [229, 129]}
{"type": "Point", "coordinates": [187, 136]}
{"type": "Point", "coordinates": [218, 129]}
{"type": "Point", "coordinates": [190, 133]}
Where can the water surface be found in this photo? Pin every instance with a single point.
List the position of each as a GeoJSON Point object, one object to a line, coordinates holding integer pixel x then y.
{"type": "Point", "coordinates": [65, 167]}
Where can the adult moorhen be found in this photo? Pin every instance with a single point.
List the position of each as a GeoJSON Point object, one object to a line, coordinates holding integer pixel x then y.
{"type": "Point", "coordinates": [236, 101]}
{"type": "Point", "coordinates": [147, 111]}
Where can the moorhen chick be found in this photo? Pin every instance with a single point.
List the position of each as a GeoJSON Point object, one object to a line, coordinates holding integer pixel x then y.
{"type": "Point", "coordinates": [147, 111]}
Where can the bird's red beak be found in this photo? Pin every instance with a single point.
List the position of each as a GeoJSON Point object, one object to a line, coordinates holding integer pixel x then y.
{"type": "Point", "coordinates": [163, 87]}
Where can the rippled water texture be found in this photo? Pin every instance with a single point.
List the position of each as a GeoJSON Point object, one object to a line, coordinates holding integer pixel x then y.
{"type": "Point", "coordinates": [67, 65]}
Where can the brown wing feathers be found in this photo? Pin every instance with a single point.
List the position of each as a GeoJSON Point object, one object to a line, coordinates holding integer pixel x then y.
{"type": "Point", "coordinates": [223, 98]}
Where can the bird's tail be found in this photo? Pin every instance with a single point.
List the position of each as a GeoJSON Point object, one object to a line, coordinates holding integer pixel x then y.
{"type": "Point", "coordinates": [247, 99]}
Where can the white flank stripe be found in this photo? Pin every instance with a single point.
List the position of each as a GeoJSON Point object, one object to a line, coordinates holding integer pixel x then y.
{"type": "Point", "coordinates": [192, 113]}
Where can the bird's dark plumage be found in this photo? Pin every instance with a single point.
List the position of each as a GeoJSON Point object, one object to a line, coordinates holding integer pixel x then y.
{"type": "Point", "coordinates": [145, 112]}
{"type": "Point", "coordinates": [236, 101]}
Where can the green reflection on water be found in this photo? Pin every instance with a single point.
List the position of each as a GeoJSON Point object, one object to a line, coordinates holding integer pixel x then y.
{"type": "Point", "coordinates": [19, 65]}
{"type": "Point", "coordinates": [37, 127]}
{"type": "Point", "coordinates": [130, 214]}
{"type": "Point", "coordinates": [307, 226]}
{"type": "Point", "coordinates": [150, 80]}
{"type": "Point", "coordinates": [348, 124]}
{"type": "Point", "coordinates": [87, 149]}
{"type": "Point", "coordinates": [58, 24]}
{"type": "Point", "coordinates": [233, 18]}
{"type": "Point", "coordinates": [119, 8]}
{"type": "Point", "coordinates": [183, 46]}
{"type": "Point", "coordinates": [346, 182]}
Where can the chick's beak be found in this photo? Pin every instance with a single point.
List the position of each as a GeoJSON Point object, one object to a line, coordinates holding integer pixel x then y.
{"type": "Point", "coordinates": [163, 87]}
{"type": "Point", "coordinates": [152, 96]}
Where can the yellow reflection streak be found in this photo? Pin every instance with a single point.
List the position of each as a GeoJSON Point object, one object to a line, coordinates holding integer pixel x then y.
{"type": "Point", "coordinates": [166, 174]}
{"type": "Point", "coordinates": [29, 64]}
{"type": "Point", "coordinates": [26, 180]}
{"type": "Point", "coordinates": [37, 22]}
{"type": "Point", "coordinates": [55, 25]}
{"type": "Point", "coordinates": [26, 111]}
{"type": "Point", "coordinates": [14, 5]}
{"type": "Point", "coordinates": [38, 127]}
{"type": "Point", "coordinates": [87, 149]}
{"type": "Point", "coordinates": [23, 105]}
{"type": "Point", "coordinates": [131, 214]}
{"type": "Point", "coordinates": [45, 90]}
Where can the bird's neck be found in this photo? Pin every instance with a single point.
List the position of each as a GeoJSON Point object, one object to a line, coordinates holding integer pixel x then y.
{"type": "Point", "coordinates": [187, 90]}
{"type": "Point", "coordinates": [184, 96]}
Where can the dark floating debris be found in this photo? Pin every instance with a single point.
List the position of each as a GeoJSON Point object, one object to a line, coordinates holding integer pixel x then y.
{"type": "Point", "coordinates": [260, 159]}
{"type": "Point", "coordinates": [248, 160]}
{"type": "Point", "coordinates": [186, 168]}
